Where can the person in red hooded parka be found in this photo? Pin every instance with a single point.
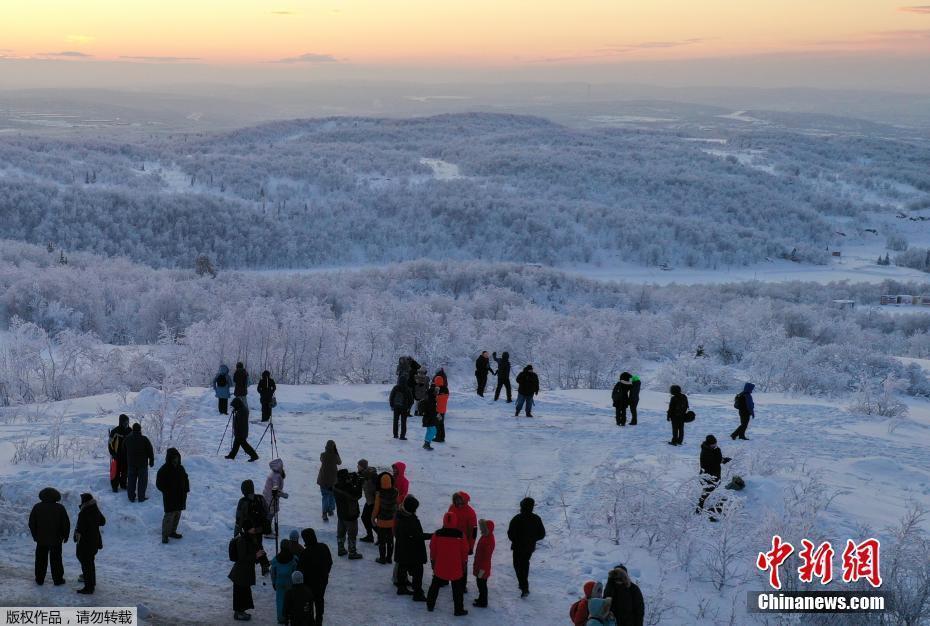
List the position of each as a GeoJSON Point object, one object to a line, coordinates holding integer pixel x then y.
{"type": "Point", "coordinates": [467, 523]}
{"type": "Point", "coordinates": [399, 470]}
{"type": "Point", "coordinates": [448, 553]}
{"type": "Point", "coordinates": [482, 566]}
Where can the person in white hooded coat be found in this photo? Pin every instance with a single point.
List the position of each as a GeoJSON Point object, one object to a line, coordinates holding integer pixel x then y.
{"type": "Point", "coordinates": [274, 481]}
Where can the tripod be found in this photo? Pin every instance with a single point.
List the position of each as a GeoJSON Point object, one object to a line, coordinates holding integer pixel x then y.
{"type": "Point", "coordinates": [276, 501]}
{"type": "Point", "coordinates": [273, 439]}
{"type": "Point", "coordinates": [224, 433]}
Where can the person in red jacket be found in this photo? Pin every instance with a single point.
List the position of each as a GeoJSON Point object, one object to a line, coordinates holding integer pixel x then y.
{"type": "Point", "coordinates": [442, 404]}
{"type": "Point", "coordinates": [448, 553]}
{"type": "Point", "coordinates": [482, 565]}
{"type": "Point", "coordinates": [399, 470]}
{"type": "Point", "coordinates": [579, 610]}
{"type": "Point", "coordinates": [467, 524]}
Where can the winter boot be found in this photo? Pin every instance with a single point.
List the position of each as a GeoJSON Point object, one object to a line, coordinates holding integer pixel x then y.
{"type": "Point", "coordinates": [367, 539]}
{"type": "Point", "coordinates": [342, 550]}
{"type": "Point", "coordinates": [354, 556]}
{"type": "Point", "coordinates": [460, 613]}
{"type": "Point", "coordinates": [241, 616]}
{"type": "Point", "coordinates": [85, 591]}
{"type": "Point", "coordinates": [419, 596]}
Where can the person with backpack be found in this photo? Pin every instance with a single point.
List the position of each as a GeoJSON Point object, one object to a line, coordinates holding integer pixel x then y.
{"type": "Point", "coordinates": [527, 388]}
{"type": "Point", "coordinates": [88, 541]}
{"type": "Point", "coordinates": [625, 598]}
{"type": "Point", "coordinates": [621, 398]}
{"type": "Point", "coordinates": [139, 458]}
{"type": "Point", "coordinates": [747, 410]}
{"type": "Point", "coordinates": [282, 567]}
{"type": "Point", "coordinates": [244, 551]}
{"type": "Point", "coordinates": [119, 464]}
{"type": "Point", "coordinates": [448, 553]}
{"type": "Point", "coordinates": [578, 612]}
{"type": "Point", "coordinates": [525, 530]}
{"type": "Point", "coordinates": [274, 488]}
{"type": "Point", "coordinates": [240, 422]}
{"type": "Point", "coordinates": [503, 375]}
{"type": "Point", "coordinates": [427, 409]}
{"type": "Point", "coordinates": [315, 564]}
{"type": "Point", "coordinates": [635, 385]}
{"type": "Point", "coordinates": [385, 517]}
{"type": "Point", "coordinates": [440, 383]}
{"type": "Point", "coordinates": [347, 493]}
{"type": "Point", "coordinates": [266, 388]}
{"type": "Point", "coordinates": [326, 478]}
{"type": "Point", "coordinates": [711, 461]}
{"type": "Point", "coordinates": [368, 476]}
{"type": "Point", "coordinates": [484, 551]}
{"type": "Point", "coordinates": [410, 550]}
{"type": "Point", "coordinates": [241, 384]}
{"type": "Point", "coordinates": [50, 526]}
{"type": "Point", "coordinates": [298, 601]}
{"type": "Point", "coordinates": [251, 513]}
{"type": "Point", "coordinates": [677, 414]}
{"type": "Point", "coordinates": [221, 385]}
{"type": "Point", "coordinates": [174, 486]}
{"type": "Point", "coordinates": [400, 401]}
{"type": "Point", "coordinates": [482, 367]}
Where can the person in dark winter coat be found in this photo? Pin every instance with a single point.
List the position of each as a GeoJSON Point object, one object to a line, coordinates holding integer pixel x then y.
{"type": "Point", "coordinates": [139, 457]}
{"type": "Point", "coordinates": [116, 444]}
{"type": "Point", "coordinates": [50, 526]}
{"type": "Point", "coordinates": [711, 461]}
{"type": "Point", "coordinates": [282, 567]}
{"type": "Point", "coordinates": [315, 563]}
{"type": "Point", "coordinates": [242, 573]}
{"type": "Point", "coordinates": [266, 388]}
{"type": "Point", "coordinates": [427, 409]}
{"type": "Point", "coordinates": [525, 530]}
{"type": "Point", "coordinates": [448, 552]}
{"type": "Point", "coordinates": [368, 477]}
{"type": "Point", "coordinates": [747, 410]}
{"type": "Point", "coordinates": [347, 493]}
{"type": "Point", "coordinates": [326, 478]}
{"type": "Point", "coordinates": [626, 600]}
{"type": "Point", "coordinates": [222, 383]}
{"type": "Point", "coordinates": [385, 516]}
{"type": "Point", "coordinates": [503, 375]}
{"type": "Point", "coordinates": [482, 367]}
{"type": "Point", "coordinates": [87, 540]}
{"type": "Point", "coordinates": [174, 486]}
{"type": "Point", "coordinates": [527, 388]}
{"type": "Point", "coordinates": [251, 512]}
{"type": "Point", "coordinates": [240, 420]}
{"type": "Point", "coordinates": [484, 551]}
{"type": "Point", "coordinates": [410, 550]}
{"type": "Point", "coordinates": [298, 602]}
{"type": "Point", "coordinates": [621, 398]}
{"type": "Point", "coordinates": [400, 400]}
{"type": "Point", "coordinates": [241, 384]}
{"type": "Point", "coordinates": [677, 408]}
{"type": "Point", "coordinates": [635, 385]}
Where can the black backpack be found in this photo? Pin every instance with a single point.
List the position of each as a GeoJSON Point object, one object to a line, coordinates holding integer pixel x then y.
{"type": "Point", "coordinates": [738, 402]}
{"type": "Point", "coordinates": [234, 549]}
{"type": "Point", "coordinates": [689, 417]}
{"type": "Point", "coordinates": [221, 381]}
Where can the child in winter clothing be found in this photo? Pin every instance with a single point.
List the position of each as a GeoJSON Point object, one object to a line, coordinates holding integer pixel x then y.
{"type": "Point", "coordinates": [298, 601]}
{"type": "Point", "coordinates": [482, 565]}
{"type": "Point", "coordinates": [399, 470]}
{"type": "Point", "coordinates": [385, 517]}
{"type": "Point", "coordinates": [427, 408]}
{"type": "Point", "coordinates": [442, 403]}
{"type": "Point", "coordinates": [274, 481]}
{"type": "Point", "coordinates": [282, 567]}
{"type": "Point", "coordinates": [599, 611]}
{"type": "Point", "coordinates": [579, 610]}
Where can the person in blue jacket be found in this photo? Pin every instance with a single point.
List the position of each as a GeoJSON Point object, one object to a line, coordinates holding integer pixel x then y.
{"type": "Point", "coordinates": [221, 384]}
{"type": "Point", "coordinates": [747, 410]}
{"type": "Point", "coordinates": [282, 567]}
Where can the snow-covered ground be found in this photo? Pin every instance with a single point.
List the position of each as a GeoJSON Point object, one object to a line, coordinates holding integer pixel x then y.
{"type": "Point", "coordinates": [566, 458]}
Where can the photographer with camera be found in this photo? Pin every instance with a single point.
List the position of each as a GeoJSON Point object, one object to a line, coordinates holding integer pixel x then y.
{"type": "Point", "coordinates": [251, 514]}
{"type": "Point", "coordinates": [274, 487]}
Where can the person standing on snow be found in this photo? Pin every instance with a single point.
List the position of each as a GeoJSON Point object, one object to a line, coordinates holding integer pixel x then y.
{"type": "Point", "coordinates": [503, 375]}
{"type": "Point", "coordinates": [711, 460]}
{"type": "Point", "coordinates": [635, 385]}
{"type": "Point", "coordinates": [315, 564]}
{"type": "Point", "coordinates": [440, 382]}
{"type": "Point", "coordinates": [221, 384]}
{"type": "Point", "coordinates": [482, 367]}
{"type": "Point", "coordinates": [467, 523]}
{"type": "Point", "coordinates": [578, 612]}
{"type": "Point", "coordinates": [326, 478]}
{"type": "Point", "coordinates": [347, 494]}
{"type": "Point", "coordinates": [298, 601]}
{"type": "Point", "coordinates": [139, 457]}
{"type": "Point", "coordinates": [266, 388]}
{"type": "Point", "coordinates": [241, 382]}
{"type": "Point", "coordinates": [410, 550]}
{"type": "Point", "coordinates": [626, 600]}
{"type": "Point", "coordinates": [240, 421]}
{"type": "Point", "coordinates": [525, 530]}
{"type": "Point", "coordinates": [400, 401]}
{"type": "Point", "coordinates": [399, 474]}
{"type": "Point", "coordinates": [448, 553]}
{"type": "Point", "coordinates": [484, 551]}
{"type": "Point", "coordinates": [274, 488]}
{"type": "Point", "coordinates": [50, 526]}
{"type": "Point", "coordinates": [527, 388]}
{"type": "Point", "coordinates": [251, 513]}
{"type": "Point", "coordinates": [420, 387]}
{"type": "Point", "coordinates": [385, 517]}
{"type": "Point", "coordinates": [174, 486]}
{"type": "Point", "coordinates": [621, 398]}
{"type": "Point", "coordinates": [747, 410]}
{"type": "Point", "coordinates": [676, 414]}
{"type": "Point", "coordinates": [282, 568]}
{"type": "Point", "coordinates": [87, 540]}
{"type": "Point", "coordinates": [242, 574]}
{"type": "Point", "coordinates": [427, 408]}
{"type": "Point", "coordinates": [119, 465]}
{"type": "Point", "coordinates": [368, 476]}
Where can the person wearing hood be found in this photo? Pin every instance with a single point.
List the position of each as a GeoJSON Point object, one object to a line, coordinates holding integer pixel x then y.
{"type": "Point", "coordinates": [635, 385]}
{"type": "Point", "coordinates": [599, 613]}
{"type": "Point", "coordinates": [298, 601]}
{"type": "Point", "coordinates": [274, 487]}
{"type": "Point", "coordinates": [347, 494]}
{"type": "Point", "coordinates": [621, 397]}
{"type": "Point", "coordinates": [525, 530]}
{"type": "Point", "coordinates": [427, 408]}
{"type": "Point", "coordinates": [368, 476]}
{"type": "Point", "coordinates": [242, 574]}
{"type": "Point", "coordinates": [527, 389]}
{"type": "Point", "coordinates": [315, 564]}
{"type": "Point", "coordinates": [400, 400]}
{"type": "Point", "coordinates": [420, 388]}
{"type": "Point", "coordinates": [711, 461]}
{"type": "Point", "coordinates": [747, 410]}
{"type": "Point", "coordinates": [174, 486]}
{"type": "Point", "coordinates": [326, 478]}
{"type": "Point", "coordinates": [677, 410]}
{"type": "Point", "coordinates": [266, 388]}
{"type": "Point", "coordinates": [294, 538]}
{"type": "Point", "coordinates": [139, 457]}
{"type": "Point", "coordinates": [482, 368]}
{"type": "Point", "coordinates": [481, 568]}
{"type": "Point", "coordinates": [116, 444]}
{"type": "Point", "coordinates": [410, 550]}
{"type": "Point", "coordinates": [221, 387]}
{"type": "Point", "coordinates": [385, 516]}
{"type": "Point", "coordinates": [88, 541]}
{"type": "Point", "coordinates": [624, 597]}
{"type": "Point", "coordinates": [50, 526]}
{"type": "Point", "coordinates": [578, 612]}
{"type": "Point", "coordinates": [466, 522]}
{"type": "Point", "coordinates": [441, 383]}
{"type": "Point", "coordinates": [241, 384]}
{"type": "Point", "coordinates": [240, 420]}
{"type": "Point", "coordinates": [448, 553]}
{"type": "Point", "coordinates": [401, 482]}
{"type": "Point", "coordinates": [251, 512]}
{"type": "Point", "coordinates": [503, 375]}
{"type": "Point", "coordinates": [282, 568]}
